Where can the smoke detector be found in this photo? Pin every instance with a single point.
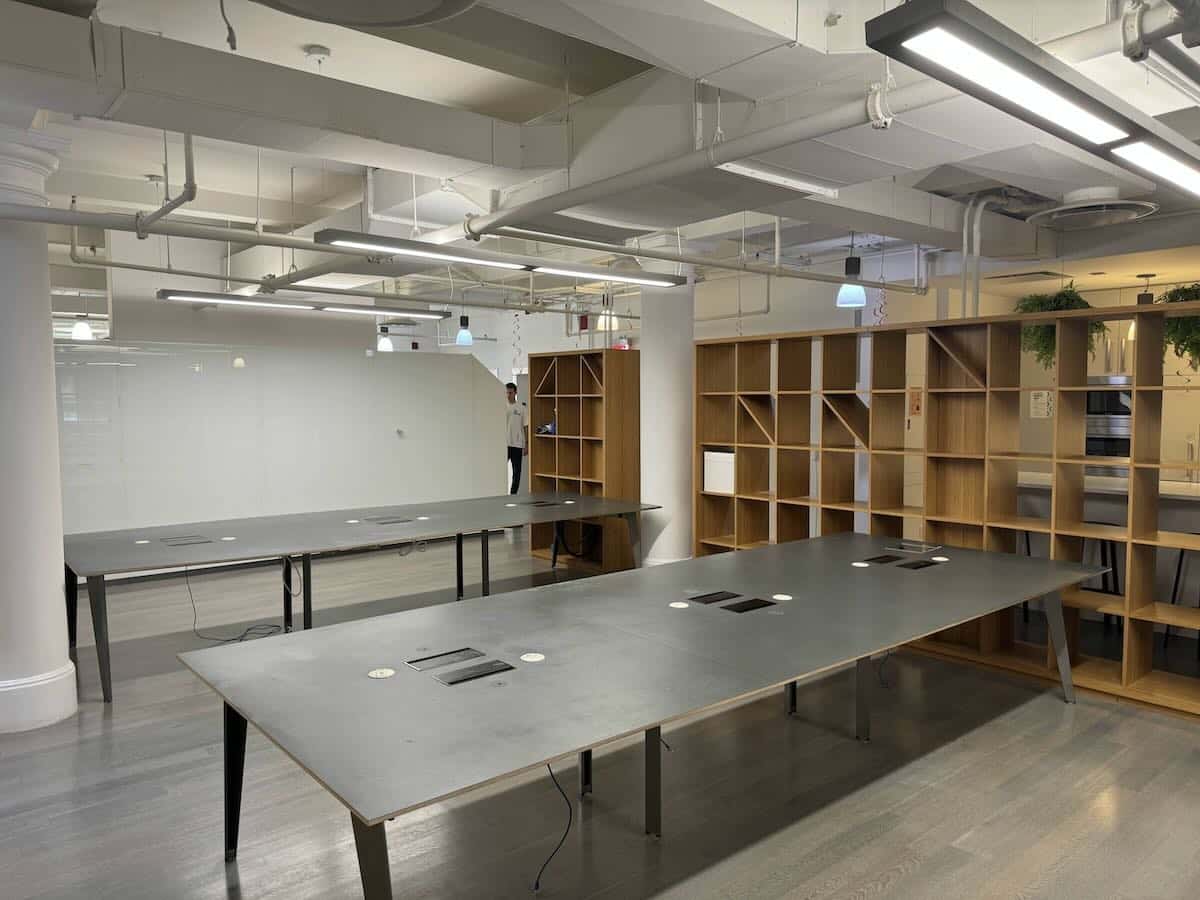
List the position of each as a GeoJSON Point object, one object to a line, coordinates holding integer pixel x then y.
{"type": "Point", "coordinates": [372, 13]}
{"type": "Point", "coordinates": [1092, 208]}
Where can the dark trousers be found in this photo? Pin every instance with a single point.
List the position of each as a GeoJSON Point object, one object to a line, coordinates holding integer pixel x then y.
{"type": "Point", "coordinates": [515, 456]}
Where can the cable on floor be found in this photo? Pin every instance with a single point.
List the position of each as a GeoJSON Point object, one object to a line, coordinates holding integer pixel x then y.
{"type": "Point", "coordinates": [537, 882]}
{"type": "Point", "coordinates": [262, 629]}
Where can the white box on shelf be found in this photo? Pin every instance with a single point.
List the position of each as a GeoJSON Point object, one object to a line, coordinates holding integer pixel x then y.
{"type": "Point", "coordinates": [718, 471]}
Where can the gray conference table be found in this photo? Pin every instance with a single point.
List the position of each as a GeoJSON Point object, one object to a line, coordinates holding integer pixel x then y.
{"type": "Point", "coordinates": [370, 711]}
{"type": "Point", "coordinates": [95, 555]}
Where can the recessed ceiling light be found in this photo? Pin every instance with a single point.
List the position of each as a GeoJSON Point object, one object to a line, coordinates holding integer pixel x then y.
{"type": "Point", "coordinates": [510, 505]}
{"type": "Point", "coordinates": [781, 597]}
{"type": "Point", "coordinates": [229, 539]}
{"type": "Point", "coordinates": [678, 604]}
{"type": "Point", "coordinates": [381, 672]}
{"type": "Point", "coordinates": [533, 657]}
{"type": "Point", "coordinates": [860, 565]}
{"type": "Point", "coordinates": [940, 558]}
{"type": "Point", "coordinates": [422, 518]}
{"type": "Point", "coordinates": [352, 521]}
{"type": "Point", "coordinates": [143, 541]}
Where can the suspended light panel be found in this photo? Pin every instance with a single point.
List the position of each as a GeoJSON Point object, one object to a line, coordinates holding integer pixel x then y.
{"type": "Point", "coordinates": [387, 246]}
{"type": "Point", "coordinates": [226, 300]}
{"type": "Point", "coordinates": [646, 280]}
{"type": "Point", "coordinates": [964, 47]}
{"type": "Point", "coordinates": [777, 176]}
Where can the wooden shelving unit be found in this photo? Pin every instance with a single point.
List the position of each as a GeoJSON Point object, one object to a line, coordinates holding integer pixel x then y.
{"type": "Point", "coordinates": [593, 399]}
{"type": "Point", "coordinates": [822, 441]}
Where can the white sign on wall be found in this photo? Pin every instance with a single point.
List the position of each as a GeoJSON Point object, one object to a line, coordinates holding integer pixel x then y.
{"type": "Point", "coordinates": [1041, 404]}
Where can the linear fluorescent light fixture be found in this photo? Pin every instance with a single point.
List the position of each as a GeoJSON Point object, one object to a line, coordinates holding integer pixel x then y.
{"type": "Point", "coordinates": [203, 298]}
{"type": "Point", "coordinates": [648, 280]}
{"type": "Point", "coordinates": [961, 46]}
{"type": "Point", "coordinates": [207, 299]}
{"type": "Point", "coordinates": [389, 246]}
{"type": "Point", "coordinates": [1157, 164]}
{"type": "Point", "coordinates": [777, 176]}
{"type": "Point", "coordinates": [386, 311]}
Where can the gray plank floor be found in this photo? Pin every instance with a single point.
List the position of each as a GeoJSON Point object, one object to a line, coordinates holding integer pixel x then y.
{"type": "Point", "coordinates": [977, 784]}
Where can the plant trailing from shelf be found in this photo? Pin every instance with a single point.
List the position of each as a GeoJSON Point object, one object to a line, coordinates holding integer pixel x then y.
{"type": "Point", "coordinates": [1182, 333]}
{"type": "Point", "coordinates": [1040, 339]}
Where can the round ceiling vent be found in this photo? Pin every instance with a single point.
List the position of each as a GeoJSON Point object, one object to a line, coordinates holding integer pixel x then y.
{"type": "Point", "coordinates": [1092, 208]}
{"type": "Point", "coordinates": [372, 13]}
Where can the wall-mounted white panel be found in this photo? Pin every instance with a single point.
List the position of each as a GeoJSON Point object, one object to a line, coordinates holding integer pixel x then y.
{"type": "Point", "coordinates": [159, 433]}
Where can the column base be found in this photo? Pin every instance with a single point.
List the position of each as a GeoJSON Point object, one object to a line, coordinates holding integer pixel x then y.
{"type": "Point", "coordinates": [38, 700]}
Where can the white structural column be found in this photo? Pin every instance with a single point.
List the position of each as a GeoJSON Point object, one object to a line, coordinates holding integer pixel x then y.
{"type": "Point", "coordinates": [37, 679]}
{"type": "Point", "coordinates": [667, 361]}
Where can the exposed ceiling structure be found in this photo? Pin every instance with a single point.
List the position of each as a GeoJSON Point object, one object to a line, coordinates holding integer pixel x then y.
{"type": "Point", "coordinates": [525, 104]}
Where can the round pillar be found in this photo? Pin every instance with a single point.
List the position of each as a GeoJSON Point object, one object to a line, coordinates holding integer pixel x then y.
{"type": "Point", "coordinates": [37, 678]}
{"type": "Point", "coordinates": [667, 361]}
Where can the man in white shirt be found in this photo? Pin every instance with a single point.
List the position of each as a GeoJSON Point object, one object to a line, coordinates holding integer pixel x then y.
{"type": "Point", "coordinates": [518, 438]}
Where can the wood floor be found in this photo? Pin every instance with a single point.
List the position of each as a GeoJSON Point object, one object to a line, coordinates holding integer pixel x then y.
{"type": "Point", "coordinates": [977, 784]}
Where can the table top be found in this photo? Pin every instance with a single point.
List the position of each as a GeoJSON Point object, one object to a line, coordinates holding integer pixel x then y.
{"type": "Point", "coordinates": [619, 658]}
{"type": "Point", "coordinates": [263, 537]}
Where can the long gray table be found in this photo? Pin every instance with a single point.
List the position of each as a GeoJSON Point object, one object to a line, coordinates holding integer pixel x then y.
{"type": "Point", "coordinates": [624, 653]}
{"type": "Point", "coordinates": [96, 554]}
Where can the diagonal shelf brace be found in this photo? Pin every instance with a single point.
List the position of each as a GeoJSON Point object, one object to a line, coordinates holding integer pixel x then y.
{"type": "Point", "coordinates": [770, 439]}
{"type": "Point", "coordinates": [549, 369]}
{"type": "Point", "coordinates": [959, 360]}
{"type": "Point", "coordinates": [854, 414]}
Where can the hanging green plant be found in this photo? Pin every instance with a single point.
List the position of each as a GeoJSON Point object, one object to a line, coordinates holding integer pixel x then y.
{"type": "Point", "coordinates": [1182, 333]}
{"type": "Point", "coordinates": [1040, 339]}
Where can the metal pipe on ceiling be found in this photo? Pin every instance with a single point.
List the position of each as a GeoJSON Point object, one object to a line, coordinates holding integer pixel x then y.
{"type": "Point", "coordinates": [144, 220]}
{"type": "Point", "coordinates": [704, 261]}
{"type": "Point", "coordinates": [1158, 21]}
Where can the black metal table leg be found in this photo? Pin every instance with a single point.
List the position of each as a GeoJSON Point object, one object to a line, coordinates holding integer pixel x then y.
{"type": "Point", "coordinates": [585, 773]}
{"type": "Point", "coordinates": [1025, 604]}
{"type": "Point", "coordinates": [789, 699]}
{"type": "Point", "coordinates": [559, 542]}
{"type": "Point", "coordinates": [235, 766]}
{"type": "Point", "coordinates": [458, 562]}
{"type": "Point", "coordinates": [654, 781]}
{"type": "Point", "coordinates": [306, 575]}
{"type": "Point", "coordinates": [1052, 603]}
{"type": "Point", "coordinates": [483, 555]}
{"type": "Point", "coordinates": [99, 605]}
{"type": "Point", "coordinates": [862, 699]}
{"type": "Point", "coordinates": [286, 568]}
{"type": "Point", "coordinates": [634, 528]}
{"type": "Point", "coordinates": [371, 843]}
{"type": "Point", "coordinates": [71, 592]}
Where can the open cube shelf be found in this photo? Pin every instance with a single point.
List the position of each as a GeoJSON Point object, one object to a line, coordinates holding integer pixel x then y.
{"type": "Point", "coordinates": [828, 434]}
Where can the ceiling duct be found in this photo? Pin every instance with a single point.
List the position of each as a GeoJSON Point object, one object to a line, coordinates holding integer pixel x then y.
{"type": "Point", "coordinates": [372, 13]}
{"type": "Point", "coordinates": [1092, 208]}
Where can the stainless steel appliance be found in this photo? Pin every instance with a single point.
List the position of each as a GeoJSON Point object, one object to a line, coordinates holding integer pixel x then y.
{"type": "Point", "coordinates": [1108, 422]}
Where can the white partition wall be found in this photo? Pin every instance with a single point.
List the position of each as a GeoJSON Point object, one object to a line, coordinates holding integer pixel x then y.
{"type": "Point", "coordinates": [156, 433]}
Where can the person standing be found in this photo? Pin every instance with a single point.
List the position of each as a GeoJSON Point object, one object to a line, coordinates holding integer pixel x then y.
{"type": "Point", "coordinates": [518, 436]}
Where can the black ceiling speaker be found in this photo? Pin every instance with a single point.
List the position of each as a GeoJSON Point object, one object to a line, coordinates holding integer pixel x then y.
{"type": "Point", "coordinates": [853, 263]}
{"type": "Point", "coordinates": [372, 13]}
{"type": "Point", "coordinates": [1146, 296]}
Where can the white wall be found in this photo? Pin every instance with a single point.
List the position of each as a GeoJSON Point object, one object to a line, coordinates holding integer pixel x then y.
{"type": "Point", "coordinates": [175, 433]}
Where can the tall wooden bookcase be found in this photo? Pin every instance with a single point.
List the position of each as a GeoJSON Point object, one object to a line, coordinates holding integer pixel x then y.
{"type": "Point", "coordinates": [593, 400]}
{"type": "Point", "coordinates": [818, 427]}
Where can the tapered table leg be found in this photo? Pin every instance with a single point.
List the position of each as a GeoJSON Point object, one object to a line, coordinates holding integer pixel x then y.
{"type": "Point", "coordinates": [371, 843]}
{"type": "Point", "coordinates": [235, 766]}
{"type": "Point", "coordinates": [585, 773]}
{"type": "Point", "coordinates": [483, 555]}
{"type": "Point", "coordinates": [862, 699]}
{"type": "Point", "coordinates": [1058, 640]}
{"type": "Point", "coordinates": [654, 781]}
{"type": "Point", "coordinates": [71, 591]}
{"type": "Point", "coordinates": [458, 563]}
{"type": "Point", "coordinates": [99, 605]}
{"type": "Point", "coordinates": [306, 575]}
{"type": "Point", "coordinates": [634, 527]}
{"type": "Point", "coordinates": [286, 564]}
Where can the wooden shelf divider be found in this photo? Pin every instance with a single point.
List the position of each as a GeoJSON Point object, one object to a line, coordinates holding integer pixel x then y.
{"type": "Point", "coordinates": [819, 424]}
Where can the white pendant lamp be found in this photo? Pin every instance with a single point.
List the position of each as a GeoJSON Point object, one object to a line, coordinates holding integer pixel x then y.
{"type": "Point", "coordinates": [464, 338]}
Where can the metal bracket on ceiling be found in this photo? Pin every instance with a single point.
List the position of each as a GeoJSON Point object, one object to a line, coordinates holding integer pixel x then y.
{"type": "Point", "coordinates": [877, 107]}
{"type": "Point", "coordinates": [1133, 44]}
